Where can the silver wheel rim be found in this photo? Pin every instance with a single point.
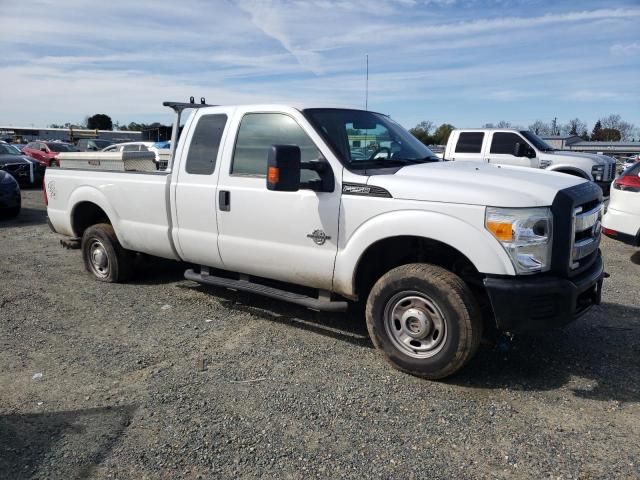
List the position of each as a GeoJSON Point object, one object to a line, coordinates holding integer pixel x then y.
{"type": "Point", "coordinates": [98, 259]}
{"type": "Point", "coordinates": [415, 324]}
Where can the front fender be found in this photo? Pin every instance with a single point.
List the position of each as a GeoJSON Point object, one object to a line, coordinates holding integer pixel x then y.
{"type": "Point", "coordinates": [477, 244]}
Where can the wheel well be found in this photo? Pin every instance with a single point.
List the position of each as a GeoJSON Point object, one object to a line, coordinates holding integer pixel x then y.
{"type": "Point", "coordinates": [392, 252]}
{"type": "Point", "coordinates": [575, 173]}
{"type": "Point", "coordinates": [86, 214]}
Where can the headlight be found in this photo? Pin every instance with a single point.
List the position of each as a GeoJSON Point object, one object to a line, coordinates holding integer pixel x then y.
{"type": "Point", "coordinates": [544, 163]}
{"type": "Point", "coordinates": [598, 172]}
{"type": "Point", "coordinates": [525, 234]}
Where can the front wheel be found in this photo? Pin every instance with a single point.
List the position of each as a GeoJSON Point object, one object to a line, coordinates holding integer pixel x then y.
{"type": "Point", "coordinates": [103, 255]}
{"type": "Point", "coordinates": [424, 319]}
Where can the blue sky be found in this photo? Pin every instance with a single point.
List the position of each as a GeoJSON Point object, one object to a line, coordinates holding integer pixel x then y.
{"type": "Point", "coordinates": [465, 62]}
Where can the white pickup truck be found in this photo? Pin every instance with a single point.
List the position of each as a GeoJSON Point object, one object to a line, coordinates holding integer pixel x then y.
{"type": "Point", "coordinates": [270, 199]}
{"type": "Point", "coordinates": [524, 148]}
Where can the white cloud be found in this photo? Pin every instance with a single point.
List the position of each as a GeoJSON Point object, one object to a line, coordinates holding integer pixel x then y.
{"type": "Point", "coordinates": [625, 50]}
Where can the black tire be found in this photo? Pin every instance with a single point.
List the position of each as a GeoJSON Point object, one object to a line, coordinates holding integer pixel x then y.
{"type": "Point", "coordinates": [440, 306]}
{"type": "Point", "coordinates": [13, 212]}
{"type": "Point", "coordinates": [103, 255]}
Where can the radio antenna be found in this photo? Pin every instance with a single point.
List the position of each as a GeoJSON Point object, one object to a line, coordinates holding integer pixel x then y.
{"type": "Point", "coordinates": [366, 84]}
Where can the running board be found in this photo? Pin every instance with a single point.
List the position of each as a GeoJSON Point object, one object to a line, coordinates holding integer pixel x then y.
{"type": "Point", "coordinates": [322, 303]}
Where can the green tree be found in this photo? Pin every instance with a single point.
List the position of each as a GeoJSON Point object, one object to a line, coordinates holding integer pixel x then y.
{"type": "Point", "coordinates": [596, 133]}
{"type": "Point", "coordinates": [441, 135]}
{"type": "Point", "coordinates": [100, 121]}
{"type": "Point", "coordinates": [611, 135]}
{"type": "Point", "coordinates": [615, 122]}
{"type": "Point", "coordinates": [422, 132]}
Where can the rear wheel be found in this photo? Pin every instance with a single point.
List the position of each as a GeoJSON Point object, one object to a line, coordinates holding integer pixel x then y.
{"type": "Point", "coordinates": [424, 319]}
{"type": "Point", "coordinates": [103, 255]}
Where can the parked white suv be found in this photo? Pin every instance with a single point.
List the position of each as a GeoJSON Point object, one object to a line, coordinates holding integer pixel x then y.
{"type": "Point", "coordinates": [524, 148]}
{"type": "Point", "coordinates": [622, 220]}
{"type": "Point", "coordinates": [270, 199]}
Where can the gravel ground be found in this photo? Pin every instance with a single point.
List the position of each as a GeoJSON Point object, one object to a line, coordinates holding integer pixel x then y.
{"type": "Point", "coordinates": [164, 378]}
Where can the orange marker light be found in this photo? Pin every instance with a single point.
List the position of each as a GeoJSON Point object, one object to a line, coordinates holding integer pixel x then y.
{"type": "Point", "coordinates": [273, 175]}
{"type": "Point", "coordinates": [501, 230]}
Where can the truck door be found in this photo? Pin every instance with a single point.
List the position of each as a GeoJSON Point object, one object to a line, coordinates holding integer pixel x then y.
{"type": "Point", "coordinates": [468, 147]}
{"type": "Point", "coordinates": [287, 236]}
{"type": "Point", "coordinates": [502, 149]}
{"type": "Point", "coordinates": [196, 230]}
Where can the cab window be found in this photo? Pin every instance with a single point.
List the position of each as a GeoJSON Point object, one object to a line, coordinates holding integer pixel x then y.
{"type": "Point", "coordinates": [505, 142]}
{"type": "Point", "coordinates": [203, 150]}
{"type": "Point", "coordinates": [470, 142]}
{"type": "Point", "coordinates": [258, 132]}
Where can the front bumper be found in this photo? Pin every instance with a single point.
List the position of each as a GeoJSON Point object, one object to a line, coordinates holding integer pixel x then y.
{"type": "Point", "coordinates": [625, 225]}
{"type": "Point", "coordinates": [543, 302]}
{"type": "Point", "coordinates": [605, 186]}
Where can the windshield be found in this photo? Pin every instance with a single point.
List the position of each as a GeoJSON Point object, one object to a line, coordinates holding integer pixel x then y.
{"type": "Point", "coordinates": [365, 140]}
{"type": "Point", "coordinates": [539, 143]}
{"type": "Point", "coordinates": [102, 143]}
{"type": "Point", "coordinates": [9, 150]}
{"type": "Point", "coordinates": [61, 147]}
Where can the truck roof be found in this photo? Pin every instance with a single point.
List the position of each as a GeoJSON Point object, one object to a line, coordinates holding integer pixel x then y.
{"type": "Point", "coordinates": [493, 129]}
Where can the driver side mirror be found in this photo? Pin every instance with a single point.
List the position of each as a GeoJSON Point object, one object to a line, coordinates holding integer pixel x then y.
{"type": "Point", "coordinates": [283, 168]}
{"type": "Point", "coordinates": [521, 150]}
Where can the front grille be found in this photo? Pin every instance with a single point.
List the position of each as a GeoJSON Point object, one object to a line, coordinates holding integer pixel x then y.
{"type": "Point", "coordinates": [586, 232]}
{"type": "Point", "coordinates": [576, 211]}
{"type": "Point", "coordinates": [17, 169]}
{"type": "Point", "coordinates": [609, 171]}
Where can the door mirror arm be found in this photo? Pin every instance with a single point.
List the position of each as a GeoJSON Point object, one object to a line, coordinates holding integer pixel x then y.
{"type": "Point", "coordinates": [324, 171]}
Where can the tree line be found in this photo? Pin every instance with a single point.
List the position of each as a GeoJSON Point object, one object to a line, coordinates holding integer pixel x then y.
{"type": "Point", "coordinates": [607, 129]}
{"type": "Point", "coordinates": [101, 121]}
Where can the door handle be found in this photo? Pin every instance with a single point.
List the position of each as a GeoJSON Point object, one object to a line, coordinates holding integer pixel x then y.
{"type": "Point", "coordinates": [224, 200]}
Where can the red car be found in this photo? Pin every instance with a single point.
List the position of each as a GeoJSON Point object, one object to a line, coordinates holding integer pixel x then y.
{"type": "Point", "coordinates": [46, 152]}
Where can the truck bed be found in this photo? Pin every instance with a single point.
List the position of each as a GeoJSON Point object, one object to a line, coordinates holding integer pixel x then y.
{"type": "Point", "coordinates": [146, 226]}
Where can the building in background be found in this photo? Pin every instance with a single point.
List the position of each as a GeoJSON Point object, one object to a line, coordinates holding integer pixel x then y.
{"type": "Point", "coordinates": [577, 144]}
{"type": "Point", "coordinates": [28, 134]}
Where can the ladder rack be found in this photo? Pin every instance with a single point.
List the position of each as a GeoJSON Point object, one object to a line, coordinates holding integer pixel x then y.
{"type": "Point", "coordinates": [178, 107]}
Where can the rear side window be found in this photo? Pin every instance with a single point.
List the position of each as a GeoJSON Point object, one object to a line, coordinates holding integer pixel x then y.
{"type": "Point", "coordinates": [505, 142]}
{"type": "Point", "coordinates": [258, 131]}
{"type": "Point", "coordinates": [470, 142]}
{"type": "Point", "coordinates": [203, 151]}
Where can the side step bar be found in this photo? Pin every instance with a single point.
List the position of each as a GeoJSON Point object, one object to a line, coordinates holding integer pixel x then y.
{"type": "Point", "coordinates": [322, 303]}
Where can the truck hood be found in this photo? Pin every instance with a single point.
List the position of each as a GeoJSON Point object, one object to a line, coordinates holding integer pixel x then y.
{"type": "Point", "coordinates": [475, 184]}
{"type": "Point", "coordinates": [6, 159]}
{"type": "Point", "coordinates": [558, 156]}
